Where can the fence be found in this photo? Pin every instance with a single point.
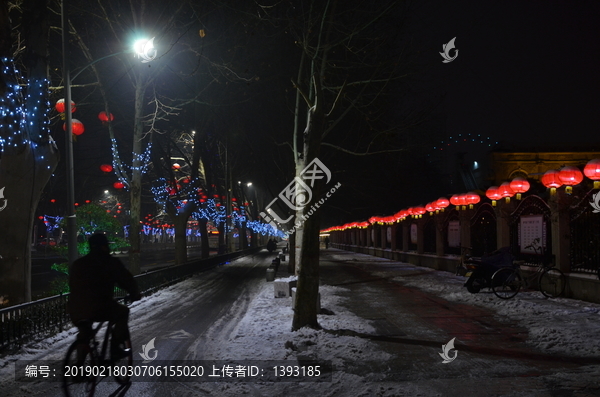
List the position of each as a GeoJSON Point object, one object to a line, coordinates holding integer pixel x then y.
{"type": "Point", "coordinates": [26, 321]}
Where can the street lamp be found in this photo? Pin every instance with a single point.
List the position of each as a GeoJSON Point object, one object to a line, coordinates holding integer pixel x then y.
{"type": "Point", "coordinates": [144, 50]}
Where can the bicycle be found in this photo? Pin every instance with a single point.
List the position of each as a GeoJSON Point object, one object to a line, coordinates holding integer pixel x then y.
{"type": "Point", "coordinates": [507, 282]}
{"type": "Point", "coordinates": [463, 264]}
{"type": "Point", "coordinates": [85, 365]}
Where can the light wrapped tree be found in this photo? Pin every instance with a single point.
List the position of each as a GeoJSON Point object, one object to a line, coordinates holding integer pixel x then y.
{"type": "Point", "coordinates": [28, 154]}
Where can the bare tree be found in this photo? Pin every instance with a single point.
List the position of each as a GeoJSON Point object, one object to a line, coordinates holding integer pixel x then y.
{"type": "Point", "coordinates": [348, 59]}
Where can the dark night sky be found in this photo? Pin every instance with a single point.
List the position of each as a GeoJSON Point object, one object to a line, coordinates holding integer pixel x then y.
{"type": "Point", "coordinates": [527, 71]}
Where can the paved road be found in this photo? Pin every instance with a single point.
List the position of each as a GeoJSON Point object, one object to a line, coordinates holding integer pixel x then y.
{"type": "Point", "coordinates": [180, 325]}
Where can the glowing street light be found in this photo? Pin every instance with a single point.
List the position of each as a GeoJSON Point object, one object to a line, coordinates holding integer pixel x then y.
{"type": "Point", "coordinates": [144, 49]}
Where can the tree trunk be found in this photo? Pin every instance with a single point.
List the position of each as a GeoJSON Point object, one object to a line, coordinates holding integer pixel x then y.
{"type": "Point", "coordinates": [292, 254]}
{"type": "Point", "coordinates": [202, 225]}
{"type": "Point", "coordinates": [222, 247]}
{"type": "Point", "coordinates": [180, 238]}
{"type": "Point", "coordinates": [243, 237]}
{"type": "Point", "coordinates": [307, 291]}
{"type": "Point", "coordinates": [27, 164]}
{"type": "Point", "coordinates": [135, 183]}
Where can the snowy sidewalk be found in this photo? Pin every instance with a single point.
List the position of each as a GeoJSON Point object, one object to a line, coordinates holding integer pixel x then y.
{"type": "Point", "coordinates": [389, 323]}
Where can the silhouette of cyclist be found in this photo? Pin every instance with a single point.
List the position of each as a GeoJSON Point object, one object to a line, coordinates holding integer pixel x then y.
{"type": "Point", "coordinates": [92, 279]}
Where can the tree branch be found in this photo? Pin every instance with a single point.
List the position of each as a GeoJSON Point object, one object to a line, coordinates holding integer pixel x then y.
{"type": "Point", "coordinates": [306, 99]}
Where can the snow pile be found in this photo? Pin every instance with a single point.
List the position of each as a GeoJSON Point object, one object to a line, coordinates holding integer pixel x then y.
{"type": "Point", "coordinates": [264, 333]}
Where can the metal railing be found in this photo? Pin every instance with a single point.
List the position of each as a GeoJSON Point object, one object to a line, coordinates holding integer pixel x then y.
{"type": "Point", "coordinates": [47, 316]}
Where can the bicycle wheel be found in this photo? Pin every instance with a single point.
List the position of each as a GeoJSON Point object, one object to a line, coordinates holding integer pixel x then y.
{"type": "Point", "coordinates": [124, 365]}
{"type": "Point", "coordinates": [76, 381]}
{"type": "Point", "coordinates": [506, 283]}
{"type": "Point", "coordinates": [552, 283]}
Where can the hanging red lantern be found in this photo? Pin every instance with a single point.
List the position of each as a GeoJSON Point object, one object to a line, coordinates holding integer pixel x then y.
{"type": "Point", "coordinates": [592, 171]}
{"type": "Point", "coordinates": [419, 211]}
{"type": "Point", "coordinates": [76, 126]}
{"type": "Point", "coordinates": [493, 194]}
{"type": "Point", "coordinates": [430, 208]}
{"type": "Point", "coordinates": [118, 185]}
{"type": "Point", "coordinates": [53, 201]}
{"type": "Point", "coordinates": [506, 191]}
{"type": "Point", "coordinates": [176, 166]}
{"type": "Point", "coordinates": [472, 198]}
{"type": "Point", "coordinates": [456, 200]}
{"type": "Point", "coordinates": [570, 176]}
{"type": "Point", "coordinates": [60, 106]}
{"type": "Point", "coordinates": [551, 179]}
{"type": "Point", "coordinates": [104, 117]}
{"type": "Point", "coordinates": [106, 168]}
{"type": "Point", "coordinates": [519, 185]}
{"type": "Point", "coordinates": [442, 203]}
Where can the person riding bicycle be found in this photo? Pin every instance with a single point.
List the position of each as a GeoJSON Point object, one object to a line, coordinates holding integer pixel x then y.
{"type": "Point", "coordinates": [92, 279]}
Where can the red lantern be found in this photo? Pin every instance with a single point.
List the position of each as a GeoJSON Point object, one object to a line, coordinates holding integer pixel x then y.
{"type": "Point", "coordinates": [118, 185]}
{"type": "Point", "coordinates": [519, 185]}
{"type": "Point", "coordinates": [53, 201]}
{"type": "Point", "coordinates": [60, 106]}
{"type": "Point", "coordinates": [106, 168]}
{"type": "Point", "coordinates": [105, 118]}
{"type": "Point", "coordinates": [493, 194]}
{"type": "Point", "coordinates": [442, 203]}
{"type": "Point", "coordinates": [472, 198]}
{"type": "Point", "coordinates": [429, 207]}
{"type": "Point", "coordinates": [551, 179]}
{"type": "Point", "coordinates": [419, 210]}
{"type": "Point", "coordinates": [506, 191]}
{"type": "Point", "coordinates": [592, 171]}
{"type": "Point", "coordinates": [176, 166]}
{"type": "Point", "coordinates": [76, 126]}
{"type": "Point", "coordinates": [570, 176]}
{"type": "Point", "coordinates": [456, 200]}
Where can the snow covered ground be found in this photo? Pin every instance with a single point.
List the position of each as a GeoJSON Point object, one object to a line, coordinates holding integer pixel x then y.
{"type": "Point", "coordinates": [263, 332]}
